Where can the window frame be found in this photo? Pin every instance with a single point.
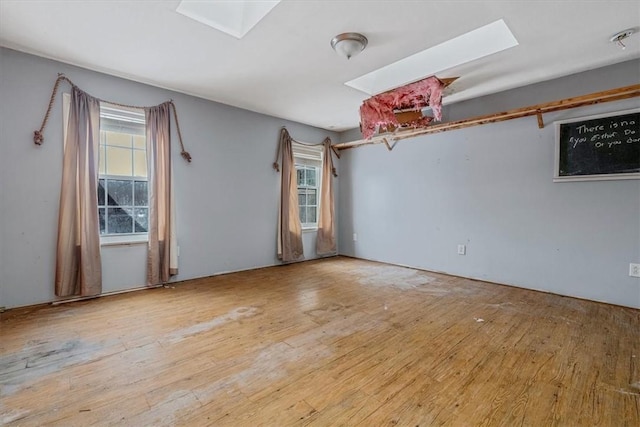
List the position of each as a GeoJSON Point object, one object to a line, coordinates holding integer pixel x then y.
{"type": "Point", "coordinates": [309, 156]}
{"type": "Point", "coordinates": [136, 116]}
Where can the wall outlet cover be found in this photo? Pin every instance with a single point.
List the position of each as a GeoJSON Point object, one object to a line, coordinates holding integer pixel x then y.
{"type": "Point", "coordinates": [634, 270]}
{"type": "Point", "coordinates": [462, 249]}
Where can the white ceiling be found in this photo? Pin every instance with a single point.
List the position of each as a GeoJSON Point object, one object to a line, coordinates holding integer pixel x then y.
{"type": "Point", "coordinates": [285, 66]}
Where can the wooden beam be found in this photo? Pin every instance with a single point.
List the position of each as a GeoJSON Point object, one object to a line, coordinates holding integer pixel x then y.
{"type": "Point", "coordinates": [448, 80]}
{"type": "Point", "coordinates": [408, 116]}
{"type": "Point", "coordinates": [563, 104]}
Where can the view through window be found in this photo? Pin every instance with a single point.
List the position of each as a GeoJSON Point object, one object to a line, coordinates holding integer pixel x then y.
{"type": "Point", "coordinates": [308, 161]}
{"type": "Point", "coordinates": [123, 204]}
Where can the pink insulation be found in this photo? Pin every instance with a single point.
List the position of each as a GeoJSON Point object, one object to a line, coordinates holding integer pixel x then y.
{"type": "Point", "coordinates": [377, 112]}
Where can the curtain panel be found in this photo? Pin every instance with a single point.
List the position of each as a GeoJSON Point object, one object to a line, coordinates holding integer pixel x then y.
{"type": "Point", "coordinates": [78, 264]}
{"type": "Point", "coordinates": [289, 227]}
{"type": "Point", "coordinates": [326, 238]}
{"type": "Point", "coordinates": [162, 259]}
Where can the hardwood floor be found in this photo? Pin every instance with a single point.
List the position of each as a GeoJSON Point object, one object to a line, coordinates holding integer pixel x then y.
{"type": "Point", "coordinates": [328, 342]}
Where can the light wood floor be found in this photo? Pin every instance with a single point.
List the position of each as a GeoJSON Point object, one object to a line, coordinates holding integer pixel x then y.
{"type": "Point", "coordinates": [331, 342]}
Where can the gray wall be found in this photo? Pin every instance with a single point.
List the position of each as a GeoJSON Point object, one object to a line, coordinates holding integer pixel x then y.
{"type": "Point", "coordinates": [226, 199]}
{"type": "Point", "coordinates": [490, 187]}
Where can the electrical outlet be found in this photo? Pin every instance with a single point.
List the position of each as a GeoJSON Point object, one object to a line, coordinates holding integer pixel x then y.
{"type": "Point", "coordinates": [462, 249]}
{"type": "Point", "coordinates": [355, 237]}
{"type": "Point", "coordinates": [634, 270]}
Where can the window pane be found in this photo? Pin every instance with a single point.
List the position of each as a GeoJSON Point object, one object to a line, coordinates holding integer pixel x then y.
{"type": "Point", "coordinates": [101, 160]}
{"type": "Point", "coordinates": [139, 163]}
{"type": "Point", "coordinates": [300, 176]}
{"type": "Point", "coordinates": [311, 215]}
{"type": "Point", "coordinates": [141, 220]}
{"type": "Point", "coordinates": [101, 219]}
{"type": "Point", "coordinates": [311, 177]}
{"type": "Point", "coordinates": [119, 161]}
{"type": "Point", "coordinates": [119, 139]}
{"type": "Point", "coordinates": [101, 192]}
{"type": "Point", "coordinates": [302, 198]}
{"type": "Point", "coordinates": [139, 142]}
{"type": "Point", "coordinates": [311, 197]}
{"type": "Point", "coordinates": [303, 215]}
{"type": "Point", "coordinates": [120, 220]}
{"type": "Point", "coordinates": [140, 196]}
{"type": "Point", "coordinates": [120, 193]}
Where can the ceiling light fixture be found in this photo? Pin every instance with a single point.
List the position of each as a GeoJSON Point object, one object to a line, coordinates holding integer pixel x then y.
{"type": "Point", "coordinates": [622, 35]}
{"type": "Point", "coordinates": [349, 44]}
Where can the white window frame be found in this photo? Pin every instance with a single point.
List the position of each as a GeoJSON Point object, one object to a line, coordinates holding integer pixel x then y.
{"type": "Point", "coordinates": [310, 155]}
{"type": "Point", "coordinates": [135, 116]}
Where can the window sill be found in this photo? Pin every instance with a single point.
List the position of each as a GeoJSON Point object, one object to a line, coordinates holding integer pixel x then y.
{"type": "Point", "coordinates": [310, 229]}
{"type": "Point", "coordinates": [125, 240]}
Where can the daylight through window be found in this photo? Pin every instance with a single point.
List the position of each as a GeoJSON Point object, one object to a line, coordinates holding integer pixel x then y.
{"type": "Point", "coordinates": [123, 204]}
{"type": "Point", "coordinates": [308, 160]}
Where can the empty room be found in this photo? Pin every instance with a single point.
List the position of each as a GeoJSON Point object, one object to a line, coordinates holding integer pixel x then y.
{"type": "Point", "coordinates": [316, 213]}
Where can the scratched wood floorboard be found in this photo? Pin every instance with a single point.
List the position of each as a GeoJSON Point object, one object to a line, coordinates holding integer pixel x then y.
{"type": "Point", "coordinates": [328, 342]}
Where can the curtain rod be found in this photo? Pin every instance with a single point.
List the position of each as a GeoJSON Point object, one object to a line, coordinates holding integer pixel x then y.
{"type": "Point", "coordinates": [38, 135]}
{"type": "Point", "coordinates": [311, 144]}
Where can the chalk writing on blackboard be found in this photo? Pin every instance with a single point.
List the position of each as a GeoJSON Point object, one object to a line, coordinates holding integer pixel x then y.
{"type": "Point", "coordinates": [606, 146]}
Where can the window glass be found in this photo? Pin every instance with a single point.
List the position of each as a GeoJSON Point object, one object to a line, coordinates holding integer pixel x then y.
{"type": "Point", "coordinates": [123, 198]}
{"type": "Point", "coordinates": [119, 220]}
{"type": "Point", "coordinates": [119, 161]}
{"type": "Point", "coordinates": [140, 193]}
{"type": "Point", "coordinates": [308, 194]}
{"type": "Point", "coordinates": [120, 192]}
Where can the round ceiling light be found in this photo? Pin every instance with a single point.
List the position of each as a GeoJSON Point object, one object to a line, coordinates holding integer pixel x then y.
{"type": "Point", "coordinates": [349, 44]}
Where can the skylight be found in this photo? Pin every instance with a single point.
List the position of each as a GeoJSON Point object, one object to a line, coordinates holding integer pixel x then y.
{"type": "Point", "coordinates": [235, 18]}
{"type": "Point", "coordinates": [475, 44]}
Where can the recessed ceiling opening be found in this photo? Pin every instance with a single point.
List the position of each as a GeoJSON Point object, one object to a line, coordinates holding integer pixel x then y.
{"type": "Point", "coordinates": [473, 45]}
{"type": "Point", "coordinates": [235, 18]}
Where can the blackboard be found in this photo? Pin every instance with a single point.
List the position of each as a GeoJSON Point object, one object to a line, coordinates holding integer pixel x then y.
{"type": "Point", "coordinates": [606, 146]}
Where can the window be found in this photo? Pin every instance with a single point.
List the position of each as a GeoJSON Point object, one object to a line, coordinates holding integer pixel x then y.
{"type": "Point", "coordinates": [308, 194]}
{"type": "Point", "coordinates": [308, 160]}
{"type": "Point", "coordinates": [123, 205]}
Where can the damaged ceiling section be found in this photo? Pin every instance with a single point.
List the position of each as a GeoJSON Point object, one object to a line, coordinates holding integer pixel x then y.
{"type": "Point", "coordinates": [403, 107]}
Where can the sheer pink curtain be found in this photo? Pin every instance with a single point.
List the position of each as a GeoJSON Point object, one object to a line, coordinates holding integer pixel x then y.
{"type": "Point", "coordinates": [78, 264]}
{"type": "Point", "coordinates": [162, 260]}
{"type": "Point", "coordinates": [289, 227]}
{"type": "Point", "coordinates": [326, 240]}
